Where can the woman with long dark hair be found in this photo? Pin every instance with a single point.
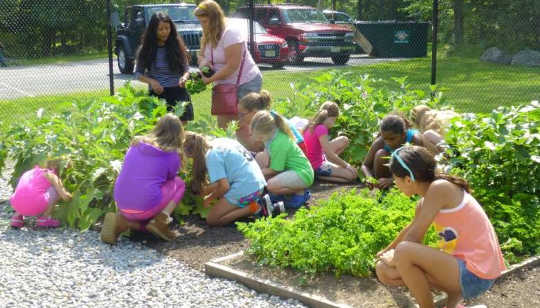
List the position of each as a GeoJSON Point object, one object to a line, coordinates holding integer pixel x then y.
{"type": "Point", "coordinates": [162, 63]}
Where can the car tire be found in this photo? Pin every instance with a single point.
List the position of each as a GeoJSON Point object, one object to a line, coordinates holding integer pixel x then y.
{"type": "Point", "coordinates": [294, 55]}
{"type": "Point", "coordinates": [278, 65]}
{"type": "Point", "coordinates": [341, 59]}
{"type": "Point", "coordinates": [125, 65]}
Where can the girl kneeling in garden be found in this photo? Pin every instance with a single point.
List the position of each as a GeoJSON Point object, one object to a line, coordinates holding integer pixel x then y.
{"type": "Point", "coordinates": [469, 259]}
{"type": "Point", "coordinates": [236, 181]}
{"type": "Point", "coordinates": [36, 194]}
{"type": "Point", "coordinates": [394, 133]}
{"type": "Point", "coordinates": [322, 152]}
{"type": "Point", "coordinates": [148, 189]}
{"type": "Point", "coordinates": [289, 171]}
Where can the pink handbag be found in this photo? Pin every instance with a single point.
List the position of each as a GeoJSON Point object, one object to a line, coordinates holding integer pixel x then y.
{"type": "Point", "coordinates": [224, 96]}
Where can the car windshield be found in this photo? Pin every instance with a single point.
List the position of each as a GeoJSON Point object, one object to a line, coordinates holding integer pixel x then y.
{"type": "Point", "coordinates": [177, 13]}
{"type": "Point", "coordinates": [304, 16]}
{"type": "Point", "coordinates": [242, 23]}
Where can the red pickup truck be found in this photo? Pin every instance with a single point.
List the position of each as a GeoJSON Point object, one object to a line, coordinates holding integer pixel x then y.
{"type": "Point", "coordinates": [307, 31]}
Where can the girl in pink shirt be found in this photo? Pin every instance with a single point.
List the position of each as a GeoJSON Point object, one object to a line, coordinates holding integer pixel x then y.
{"type": "Point", "coordinates": [36, 194]}
{"type": "Point", "coordinates": [469, 258]}
{"type": "Point", "coordinates": [323, 153]}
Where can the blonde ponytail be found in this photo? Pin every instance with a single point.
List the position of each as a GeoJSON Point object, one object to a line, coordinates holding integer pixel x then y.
{"type": "Point", "coordinates": [265, 123]}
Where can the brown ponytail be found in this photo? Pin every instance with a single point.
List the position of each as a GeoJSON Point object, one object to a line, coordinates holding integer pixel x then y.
{"type": "Point", "coordinates": [256, 101]}
{"type": "Point", "coordinates": [196, 146]}
{"type": "Point", "coordinates": [455, 180]}
{"type": "Point", "coordinates": [328, 109]}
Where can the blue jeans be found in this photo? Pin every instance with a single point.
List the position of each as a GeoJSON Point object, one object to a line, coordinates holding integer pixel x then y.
{"type": "Point", "coordinates": [472, 285]}
{"type": "Point", "coordinates": [254, 85]}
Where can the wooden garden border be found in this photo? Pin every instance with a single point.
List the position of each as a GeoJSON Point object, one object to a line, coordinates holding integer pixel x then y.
{"type": "Point", "coordinates": [217, 269]}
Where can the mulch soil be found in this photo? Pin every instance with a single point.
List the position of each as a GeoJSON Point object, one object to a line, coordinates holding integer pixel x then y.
{"type": "Point", "coordinates": [199, 244]}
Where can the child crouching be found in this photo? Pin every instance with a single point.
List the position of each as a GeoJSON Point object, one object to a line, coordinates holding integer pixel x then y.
{"type": "Point", "coordinates": [36, 194]}
{"type": "Point", "coordinates": [148, 189]}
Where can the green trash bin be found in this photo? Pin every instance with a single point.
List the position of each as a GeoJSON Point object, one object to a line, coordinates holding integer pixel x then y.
{"type": "Point", "coordinates": [395, 39]}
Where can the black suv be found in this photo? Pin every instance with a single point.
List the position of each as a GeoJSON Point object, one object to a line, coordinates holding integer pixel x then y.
{"type": "Point", "coordinates": [137, 18]}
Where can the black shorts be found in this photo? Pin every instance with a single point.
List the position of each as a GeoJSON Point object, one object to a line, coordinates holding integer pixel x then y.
{"type": "Point", "coordinates": [173, 95]}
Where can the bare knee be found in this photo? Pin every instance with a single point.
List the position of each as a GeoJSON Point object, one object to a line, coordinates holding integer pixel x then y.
{"type": "Point", "coordinates": [379, 271]}
{"type": "Point", "coordinates": [403, 253]}
{"type": "Point", "coordinates": [344, 140]}
{"type": "Point", "coordinates": [432, 136]}
{"type": "Point", "coordinates": [272, 186]}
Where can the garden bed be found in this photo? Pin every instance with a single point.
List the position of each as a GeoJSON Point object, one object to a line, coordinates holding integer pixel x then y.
{"type": "Point", "coordinates": [517, 287]}
{"type": "Point", "coordinates": [200, 243]}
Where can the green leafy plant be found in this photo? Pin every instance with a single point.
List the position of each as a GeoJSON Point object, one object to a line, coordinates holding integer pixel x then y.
{"type": "Point", "coordinates": [499, 155]}
{"type": "Point", "coordinates": [195, 83]}
{"type": "Point", "coordinates": [93, 136]}
{"type": "Point", "coordinates": [363, 103]}
{"type": "Point", "coordinates": [341, 234]}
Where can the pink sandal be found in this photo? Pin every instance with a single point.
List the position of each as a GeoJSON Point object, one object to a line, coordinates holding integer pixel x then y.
{"type": "Point", "coordinates": [47, 222]}
{"type": "Point", "coordinates": [17, 221]}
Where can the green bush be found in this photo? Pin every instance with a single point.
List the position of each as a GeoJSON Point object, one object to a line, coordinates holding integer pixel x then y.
{"type": "Point", "coordinates": [499, 155]}
{"type": "Point", "coordinates": [93, 135]}
{"type": "Point", "coordinates": [363, 103]}
{"type": "Point", "coordinates": [341, 234]}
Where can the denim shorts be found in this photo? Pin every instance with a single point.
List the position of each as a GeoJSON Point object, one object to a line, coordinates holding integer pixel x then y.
{"type": "Point", "coordinates": [254, 85]}
{"type": "Point", "coordinates": [325, 169]}
{"type": "Point", "coordinates": [472, 285]}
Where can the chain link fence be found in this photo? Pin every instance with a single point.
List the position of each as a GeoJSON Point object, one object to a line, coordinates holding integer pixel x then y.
{"type": "Point", "coordinates": [58, 47]}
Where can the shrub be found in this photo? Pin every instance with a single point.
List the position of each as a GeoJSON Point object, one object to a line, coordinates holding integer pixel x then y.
{"type": "Point", "coordinates": [499, 154]}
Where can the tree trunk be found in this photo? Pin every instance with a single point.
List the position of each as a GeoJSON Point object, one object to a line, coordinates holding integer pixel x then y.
{"type": "Point", "coordinates": [458, 21]}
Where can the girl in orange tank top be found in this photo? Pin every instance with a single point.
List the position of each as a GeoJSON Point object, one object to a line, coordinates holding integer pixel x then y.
{"type": "Point", "coordinates": [468, 259]}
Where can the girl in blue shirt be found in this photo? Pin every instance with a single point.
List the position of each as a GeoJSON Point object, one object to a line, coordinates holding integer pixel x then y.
{"type": "Point", "coordinates": [162, 63]}
{"type": "Point", "coordinates": [235, 179]}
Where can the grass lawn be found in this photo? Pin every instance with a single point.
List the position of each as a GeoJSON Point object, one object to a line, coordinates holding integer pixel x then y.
{"type": "Point", "coordinates": [468, 84]}
{"type": "Point", "coordinates": [21, 108]}
{"type": "Point", "coordinates": [58, 59]}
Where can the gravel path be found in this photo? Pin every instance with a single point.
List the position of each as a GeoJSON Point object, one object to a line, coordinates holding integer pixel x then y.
{"type": "Point", "coordinates": [62, 267]}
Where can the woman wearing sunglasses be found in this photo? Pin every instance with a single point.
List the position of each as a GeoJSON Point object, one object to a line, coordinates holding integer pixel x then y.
{"type": "Point", "coordinates": [468, 259]}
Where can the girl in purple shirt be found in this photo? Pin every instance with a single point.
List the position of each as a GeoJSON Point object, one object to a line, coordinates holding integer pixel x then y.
{"type": "Point", "coordinates": [147, 189]}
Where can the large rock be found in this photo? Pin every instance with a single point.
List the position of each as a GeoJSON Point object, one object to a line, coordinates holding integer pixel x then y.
{"type": "Point", "coordinates": [496, 55]}
{"type": "Point", "coordinates": [526, 57]}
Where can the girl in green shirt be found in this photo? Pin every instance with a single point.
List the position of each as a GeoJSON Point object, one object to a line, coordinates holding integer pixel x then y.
{"type": "Point", "coordinates": [289, 173]}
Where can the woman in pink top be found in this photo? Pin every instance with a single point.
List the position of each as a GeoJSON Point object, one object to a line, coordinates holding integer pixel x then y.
{"type": "Point", "coordinates": [323, 153]}
{"type": "Point", "coordinates": [469, 258]}
{"type": "Point", "coordinates": [223, 48]}
{"type": "Point", "coordinates": [36, 194]}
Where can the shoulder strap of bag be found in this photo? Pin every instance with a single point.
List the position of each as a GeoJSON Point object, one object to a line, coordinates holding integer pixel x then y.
{"type": "Point", "coordinates": [241, 66]}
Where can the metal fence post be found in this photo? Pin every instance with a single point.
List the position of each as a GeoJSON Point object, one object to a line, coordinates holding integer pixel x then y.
{"type": "Point", "coordinates": [109, 48]}
{"type": "Point", "coordinates": [251, 30]}
{"type": "Point", "coordinates": [434, 27]}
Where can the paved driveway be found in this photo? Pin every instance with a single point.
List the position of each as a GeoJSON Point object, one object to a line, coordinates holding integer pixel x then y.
{"type": "Point", "coordinates": [92, 75]}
